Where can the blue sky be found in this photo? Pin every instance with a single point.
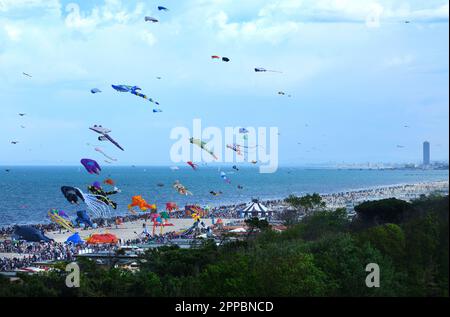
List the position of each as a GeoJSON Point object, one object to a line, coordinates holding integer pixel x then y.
{"type": "Point", "coordinates": [356, 72]}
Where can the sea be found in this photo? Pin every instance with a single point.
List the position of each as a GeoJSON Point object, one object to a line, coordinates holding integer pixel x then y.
{"type": "Point", "coordinates": [27, 193]}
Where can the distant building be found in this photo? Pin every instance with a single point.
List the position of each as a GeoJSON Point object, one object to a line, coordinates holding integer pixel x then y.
{"type": "Point", "coordinates": [426, 153]}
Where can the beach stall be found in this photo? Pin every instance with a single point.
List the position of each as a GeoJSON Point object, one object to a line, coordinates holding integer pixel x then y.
{"type": "Point", "coordinates": [255, 210]}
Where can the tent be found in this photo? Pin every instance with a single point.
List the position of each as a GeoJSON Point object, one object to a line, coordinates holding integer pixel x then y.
{"type": "Point", "coordinates": [75, 239]}
{"type": "Point", "coordinates": [255, 210]}
{"type": "Point", "coordinates": [100, 238]}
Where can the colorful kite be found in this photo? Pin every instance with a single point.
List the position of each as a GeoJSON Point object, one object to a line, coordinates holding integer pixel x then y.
{"type": "Point", "coordinates": [104, 135]}
{"type": "Point", "coordinates": [133, 90]}
{"type": "Point", "coordinates": [109, 181]}
{"type": "Point", "coordinates": [193, 165]}
{"type": "Point", "coordinates": [97, 190]}
{"type": "Point", "coordinates": [203, 146]}
{"type": "Point", "coordinates": [171, 206]}
{"type": "Point", "coordinates": [181, 189]}
{"type": "Point", "coordinates": [91, 166]}
{"type": "Point", "coordinates": [60, 218]}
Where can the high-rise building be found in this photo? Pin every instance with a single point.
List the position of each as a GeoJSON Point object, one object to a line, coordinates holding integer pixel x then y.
{"type": "Point", "coordinates": [426, 153]}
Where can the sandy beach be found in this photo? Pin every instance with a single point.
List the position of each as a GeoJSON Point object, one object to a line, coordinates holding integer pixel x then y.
{"type": "Point", "coordinates": [129, 230]}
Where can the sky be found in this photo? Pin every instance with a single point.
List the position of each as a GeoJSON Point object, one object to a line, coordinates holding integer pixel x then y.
{"type": "Point", "coordinates": [356, 72]}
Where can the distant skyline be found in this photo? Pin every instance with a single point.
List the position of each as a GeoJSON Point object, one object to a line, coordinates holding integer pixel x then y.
{"type": "Point", "coordinates": [365, 86]}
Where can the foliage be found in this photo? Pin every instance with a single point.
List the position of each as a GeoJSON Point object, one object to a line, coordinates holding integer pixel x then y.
{"type": "Point", "coordinates": [323, 255]}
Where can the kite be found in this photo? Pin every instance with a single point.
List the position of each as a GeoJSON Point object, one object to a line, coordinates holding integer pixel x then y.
{"type": "Point", "coordinates": [150, 19]}
{"type": "Point", "coordinates": [22, 126]}
{"type": "Point", "coordinates": [105, 155]}
{"type": "Point", "coordinates": [95, 205]}
{"type": "Point", "coordinates": [243, 130]}
{"type": "Point", "coordinates": [254, 162]}
{"type": "Point", "coordinates": [235, 168]}
{"type": "Point", "coordinates": [104, 135]}
{"type": "Point", "coordinates": [161, 8]}
{"type": "Point", "coordinates": [97, 190]}
{"type": "Point", "coordinates": [60, 218]}
{"type": "Point", "coordinates": [109, 181]}
{"type": "Point", "coordinates": [240, 187]}
{"type": "Point", "coordinates": [95, 90]}
{"type": "Point", "coordinates": [157, 110]}
{"type": "Point", "coordinates": [14, 142]}
{"type": "Point", "coordinates": [259, 70]}
{"type": "Point", "coordinates": [215, 193]}
{"type": "Point", "coordinates": [83, 217]}
{"type": "Point", "coordinates": [22, 114]}
{"type": "Point", "coordinates": [72, 194]}
{"type": "Point", "coordinates": [171, 206]}
{"type": "Point", "coordinates": [223, 175]}
{"type": "Point", "coordinates": [133, 90]}
{"type": "Point", "coordinates": [235, 148]}
{"type": "Point", "coordinates": [160, 185]}
{"type": "Point", "coordinates": [181, 189]}
{"type": "Point", "coordinates": [108, 162]}
{"type": "Point", "coordinates": [193, 165]}
{"type": "Point", "coordinates": [98, 238]}
{"type": "Point", "coordinates": [91, 166]}
{"type": "Point", "coordinates": [25, 74]}
{"type": "Point", "coordinates": [138, 201]}
{"type": "Point", "coordinates": [224, 59]}
{"type": "Point", "coordinates": [29, 233]}
{"type": "Point", "coordinates": [202, 145]}
{"type": "Point", "coordinates": [400, 146]}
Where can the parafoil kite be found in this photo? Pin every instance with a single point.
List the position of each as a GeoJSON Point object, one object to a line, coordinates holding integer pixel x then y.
{"type": "Point", "coordinates": [193, 165]}
{"type": "Point", "coordinates": [161, 8]}
{"type": "Point", "coordinates": [203, 146]}
{"type": "Point", "coordinates": [150, 19]}
{"type": "Point", "coordinates": [91, 166]}
{"type": "Point", "coordinates": [133, 90]}
{"type": "Point", "coordinates": [95, 90]}
{"type": "Point", "coordinates": [181, 189]}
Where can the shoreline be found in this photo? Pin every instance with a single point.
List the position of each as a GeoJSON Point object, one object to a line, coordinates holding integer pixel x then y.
{"type": "Point", "coordinates": [436, 185]}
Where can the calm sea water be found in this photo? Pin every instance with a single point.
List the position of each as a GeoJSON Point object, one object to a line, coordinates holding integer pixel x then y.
{"type": "Point", "coordinates": [27, 193]}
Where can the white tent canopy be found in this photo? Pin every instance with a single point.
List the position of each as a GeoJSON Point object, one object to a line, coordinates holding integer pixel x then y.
{"type": "Point", "coordinates": [255, 209]}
